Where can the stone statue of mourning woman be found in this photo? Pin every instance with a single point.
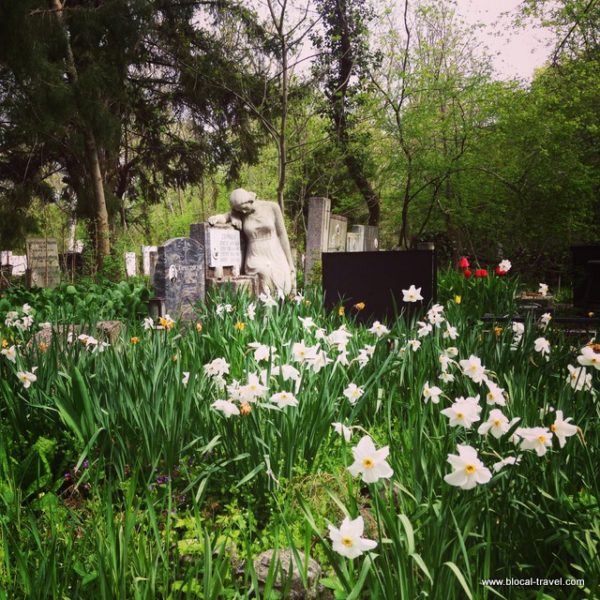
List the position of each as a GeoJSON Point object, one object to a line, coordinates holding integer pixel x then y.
{"type": "Point", "coordinates": [268, 253]}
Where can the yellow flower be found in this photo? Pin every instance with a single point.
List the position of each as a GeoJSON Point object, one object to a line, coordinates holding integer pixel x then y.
{"type": "Point", "coordinates": [166, 322]}
{"type": "Point", "coordinates": [240, 326]}
{"type": "Point", "coordinates": [4, 343]}
{"type": "Point", "coordinates": [245, 408]}
{"type": "Point", "coordinates": [457, 299]}
{"type": "Point", "coordinates": [42, 346]}
{"type": "Point", "coordinates": [359, 306]}
{"type": "Point", "coordinates": [498, 331]}
{"type": "Point", "coordinates": [135, 340]}
{"type": "Point", "coordinates": [590, 315]}
{"type": "Point", "coordinates": [174, 358]}
{"type": "Point", "coordinates": [307, 303]}
{"type": "Point", "coordinates": [341, 311]}
{"type": "Point", "coordinates": [199, 327]}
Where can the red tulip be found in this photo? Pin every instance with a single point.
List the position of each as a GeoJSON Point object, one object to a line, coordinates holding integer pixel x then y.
{"type": "Point", "coordinates": [481, 273]}
{"type": "Point", "coordinates": [463, 263]}
{"type": "Point", "coordinates": [500, 272]}
{"type": "Point", "coordinates": [467, 273]}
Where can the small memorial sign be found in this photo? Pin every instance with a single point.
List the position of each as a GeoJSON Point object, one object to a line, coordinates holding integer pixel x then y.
{"type": "Point", "coordinates": [225, 248]}
{"type": "Point", "coordinates": [42, 262]}
{"type": "Point", "coordinates": [338, 228]}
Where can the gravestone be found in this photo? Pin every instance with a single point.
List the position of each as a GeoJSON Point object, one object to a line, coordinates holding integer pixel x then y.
{"type": "Point", "coordinates": [224, 257]}
{"type": "Point", "coordinates": [377, 279]}
{"type": "Point", "coordinates": [130, 264]}
{"type": "Point", "coordinates": [336, 233]}
{"type": "Point", "coordinates": [5, 257]}
{"type": "Point", "coordinates": [367, 236]}
{"type": "Point", "coordinates": [224, 248]}
{"type": "Point", "coordinates": [179, 278]}
{"type": "Point", "coordinates": [319, 210]}
{"type": "Point", "coordinates": [586, 276]}
{"type": "Point", "coordinates": [353, 243]}
{"type": "Point", "coordinates": [146, 262]}
{"type": "Point", "coordinates": [42, 260]}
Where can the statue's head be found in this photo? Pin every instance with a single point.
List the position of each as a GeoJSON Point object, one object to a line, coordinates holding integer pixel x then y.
{"type": "Point", "coordinates": [242, 201]}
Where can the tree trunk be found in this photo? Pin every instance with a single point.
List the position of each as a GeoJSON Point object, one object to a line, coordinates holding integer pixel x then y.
{"type": "Point", "coordinates": [91, 155]}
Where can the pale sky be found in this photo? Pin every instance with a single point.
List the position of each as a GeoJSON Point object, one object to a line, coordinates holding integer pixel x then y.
{"type": "Point", "coordinates": [516, 52]}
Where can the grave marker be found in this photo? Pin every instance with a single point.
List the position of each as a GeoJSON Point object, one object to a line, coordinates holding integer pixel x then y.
{"type": "Point", "coordinates": [377, 279]}
{"type": "Point", "coordinates": [336, 234]}
{"type": "Point", "coordinates": [130, 264]}
{"type": "Point", "coordinates": [42, 260]}
{"type": "Point", "coordinates": [179, 278]}
{"type": "Point", "coordinates": [146, 262]}
{"type": "Point", "coordinates": [319, 210]}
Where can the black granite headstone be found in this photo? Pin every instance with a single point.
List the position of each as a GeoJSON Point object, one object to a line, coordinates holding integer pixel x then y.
{"type": "Point", "coordinates": [179, 277]}
{"type": "Point", "coordinates": [586, 276]}
{"type": "Point", "coordinates": [377, 279]}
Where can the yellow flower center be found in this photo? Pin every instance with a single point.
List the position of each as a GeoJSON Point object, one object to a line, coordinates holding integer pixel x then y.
{"type": "Point", "coordinates": [553, 427]}
{"type": "Point", "coordinates": [368, 463]}
{"type": "Point", "coordinates": [497, 422]}
{"type": "Point", "coordinates": [470, 469]}
{"type": "Point", "coordinates": [346, 541]}
{"type": "Point", "coordinates": [542, 439]}
{"type": "Point", "coordinates": [460, 416]}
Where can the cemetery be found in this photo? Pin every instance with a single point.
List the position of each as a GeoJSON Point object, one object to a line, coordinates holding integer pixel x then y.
{"type": "Point", "coordinates": [305, 362]}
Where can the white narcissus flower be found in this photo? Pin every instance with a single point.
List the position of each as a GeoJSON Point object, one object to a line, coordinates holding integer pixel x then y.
{"type": "Point", "coordinates": [509, 460]}
{"type": "Point", "coordinates": [226, 407]}
{"type": "Point", "coordinates": [283, 399]}
{"type": "Point", "coordinates": [542, 345]}
{"type": "Point", "coordinates": [424, 329]}
{"type": "Point", "coordinates": [505, 265]}
{"type": "Point", "coordinates": [468, 471]}
{"type": "Point", "coordinates": [497, 424]}
{"type": "Point", "coordinates": [543, 289]}
{"type": "Point", "coordinates": [434, 315]}
{"type": "Point", "coordinates": [348, 540]}
{"type": "Point", "coordinates": [307, 323]}
{"type": "Point", "coordinates": [370, 462]}
{"type": "Point", "coordinates": [379, 329]}
{"type": "Point", "coordinates": [451, 351]}
{"type": "Point", "coordinates": [341, 429]}
{"type": "Point", "coordinates": [252, 390]}
{"type": "Point", "coordinates": [562, 429]}
{"type": "Point", "coordinates": [353, 393]}
{"type": "Point", "coordinates": [473, 368]}
{"type": "Point", "coordinates": [464, 412]}
{"type": "Point", "coordinates": [339, 338]}
{"type": "Point", "coordinates": [431, 393]}
{"type": "Point", "coordinates": [26, 308]}
{"type": "Point", "coordinates": [579, 378]}
{"type": "Point", "coordinates": [185, 378]}
{"type": "Point", "coordinates": [251, 311]}
{"type": "Point", "coordinates": [412, 294]}
{"type": "Point", "coordinates": [10, 353]}
{"type": "Point", "coordinates": [447, 377]}
{"type": "Point", "coordinates": [298, 298]}
{"type": "Point", "coordinates": [414, 345]}
{"type": "Point", "coordinates": [303, 353]}
{"type": "Point", "coordinates": [545, 320]}
{"type": "Point", "coordinates": [589, 358]}
{"type": "Point", "coordinates": [27, 377]}
{"type": "Point", "coordinates": [444, 362]}
{"type": "Point", "coordinates": [320, 360]}
{"type": "Point", "coordinates": [535, 438]}
{"type": "Point", "coordinates": [148, 323]}
{"type": "Point", "coordinates": [495, 395]}
{"type": "Point", "coordinates": [267, 300]}
{"type": "Point", "coordinates": [216, 368]}
{"type": "Point", "coordinates": [262, 352]}
{"type": "Point", "coordinates": [287, 372]}
{"type": "Point", "coordinates": [451, 332]}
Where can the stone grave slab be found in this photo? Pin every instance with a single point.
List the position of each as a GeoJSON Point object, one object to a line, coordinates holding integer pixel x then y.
{"type": "Point", "coordinates": [146, 263]}
{"type": "Point", "coordinates": [179, 278]}
{"type": "Point", "coordinates": [42, 261]}
{"type": "Point", "coordinates": [319, 210]}
{"type": "Point", "coordinates": [19, 264]}
{"type": "Point", "coordinates": [336, 235]}
{"type": "Point", "coordinates": [130, 264]}
{"type": "Point", "coordinates": [353, 242]}
{"type": "Point", "coordinates": [224, 248]}
{"type": "Point", "coordinates": [377, 279]}
{"type": "Point", "coordinates": [368, 237]}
